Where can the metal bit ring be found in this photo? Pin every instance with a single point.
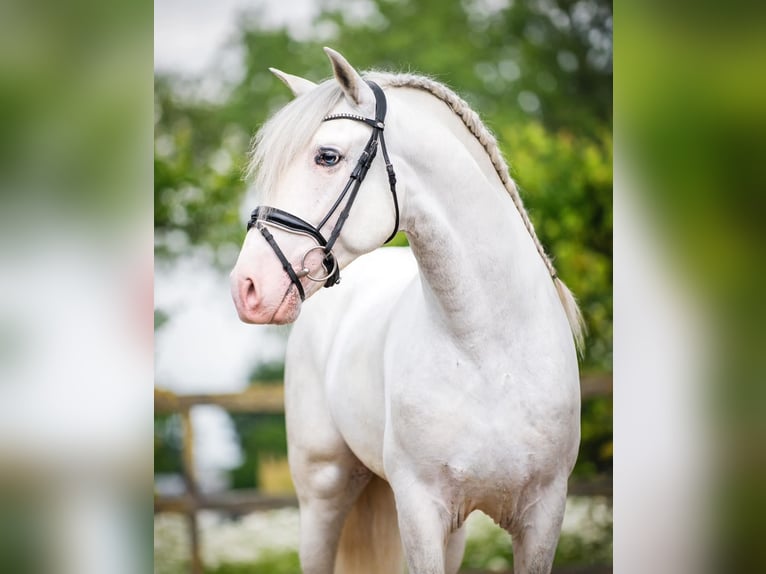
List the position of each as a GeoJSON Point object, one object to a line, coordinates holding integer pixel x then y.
{"type": "Point", "coordinates": [305, 270]}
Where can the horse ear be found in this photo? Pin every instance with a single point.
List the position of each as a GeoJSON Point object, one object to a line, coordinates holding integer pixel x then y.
{"type": "Point", "coordinates": [298, 86]}
{"type": "Point", "coordinates": [356, 89]}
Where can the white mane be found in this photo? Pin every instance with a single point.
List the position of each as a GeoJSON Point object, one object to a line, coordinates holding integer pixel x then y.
{"type": "Point", "coordinates": [290, 130]}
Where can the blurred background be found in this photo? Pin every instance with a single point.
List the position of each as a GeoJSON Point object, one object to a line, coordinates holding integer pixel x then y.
{"type": "Point", "coordinates": [539, 73]}
{"type": "Point", "coordinates": [75, 287]}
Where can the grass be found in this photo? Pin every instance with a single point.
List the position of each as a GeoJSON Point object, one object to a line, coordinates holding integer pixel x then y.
{"type": "Point", "coordinates": [270, 562]}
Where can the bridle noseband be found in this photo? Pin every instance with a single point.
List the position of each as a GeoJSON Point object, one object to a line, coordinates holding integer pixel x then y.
{"type": "Point", "coordinates": [264, 216]}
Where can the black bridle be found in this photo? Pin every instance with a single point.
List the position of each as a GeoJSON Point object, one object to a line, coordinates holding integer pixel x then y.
{"type": "Point", "coordinates": [264, 216]}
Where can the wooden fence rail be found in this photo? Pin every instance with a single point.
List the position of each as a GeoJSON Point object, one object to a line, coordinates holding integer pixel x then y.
{"type": "Point", "coordinates": [269, 398]}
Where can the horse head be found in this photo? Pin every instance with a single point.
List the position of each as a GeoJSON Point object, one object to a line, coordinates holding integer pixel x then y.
{"type": "Point", "coordinates": [309, 173]}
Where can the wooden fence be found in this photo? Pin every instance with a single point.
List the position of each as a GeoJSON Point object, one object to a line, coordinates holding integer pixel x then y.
{"type": "Point", "coordinates": [262, 398]}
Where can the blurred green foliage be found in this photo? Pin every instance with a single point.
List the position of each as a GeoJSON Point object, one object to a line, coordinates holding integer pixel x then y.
{"type": "Point", "coordinates": [492, 550]}
{"type": "Point", "coordinates": [566, 180]}
{"type": "Point", "coordinates": [596, 446]}
{"type": "Point", "coordinates": [23, 529]}
{"type": "Point", "coordinates": [489, 548]}
{"type": "Point", "coordinates": [73, 129]}
{"type": "Point", "coordinates": [573, 549]}
{"type": "Point", "coordinates": [168, 443]}
{"type": "Point", "coordinates": [259, 434]}
{"type": "Point", "coordinates": [695, 120]}
{"type": "Point", "coordinates": [268, 373]}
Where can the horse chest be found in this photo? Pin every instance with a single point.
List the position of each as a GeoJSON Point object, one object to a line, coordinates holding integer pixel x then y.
{"type": "Point", "coordinates": [473, 421]}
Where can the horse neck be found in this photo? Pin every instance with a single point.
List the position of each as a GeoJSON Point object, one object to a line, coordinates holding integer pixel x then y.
{"type": "Point", "coordinates": [482, 275]}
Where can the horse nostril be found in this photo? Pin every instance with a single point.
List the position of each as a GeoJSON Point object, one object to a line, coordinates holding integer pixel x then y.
{"type": "Point", "coordinates": [249, 294]}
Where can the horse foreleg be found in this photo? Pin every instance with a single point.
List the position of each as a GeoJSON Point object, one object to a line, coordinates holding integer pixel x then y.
{"type": "Point", "coordinates": [321, 525]}
{"type": "Point", "coordinates": [425, 526]}
{"type": "Point", "coordinates": [536, 535]}
{"type": "Point", "coordinates": [455, 549]}
{"type": "Point", "coordinates": [326, 492]}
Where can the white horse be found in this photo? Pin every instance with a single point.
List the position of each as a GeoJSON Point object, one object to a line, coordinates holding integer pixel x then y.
{"type": "Point", "coordinates": [431, 382]}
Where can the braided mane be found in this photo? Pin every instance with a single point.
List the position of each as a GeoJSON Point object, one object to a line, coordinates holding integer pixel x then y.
{"type": "Point", "coordinates": [488, 141]}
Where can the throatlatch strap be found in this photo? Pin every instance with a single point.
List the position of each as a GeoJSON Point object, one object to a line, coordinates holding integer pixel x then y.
{"type": "Point", "coordinates": [392, 185]}
{"type": "Point", "coordinates": [381, 107]}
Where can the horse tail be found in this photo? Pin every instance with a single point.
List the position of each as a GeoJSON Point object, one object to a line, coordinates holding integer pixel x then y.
{"type": "Point", "coordinates": [370, 542]}
{"type": "Point", "coordinates": [573, 313]}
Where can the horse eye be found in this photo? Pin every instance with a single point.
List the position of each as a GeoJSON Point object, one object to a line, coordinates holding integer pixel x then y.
{"type": "Point", "coordinates": [327, 157]}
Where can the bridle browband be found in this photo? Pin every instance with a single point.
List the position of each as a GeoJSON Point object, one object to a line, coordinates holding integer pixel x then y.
{"type": "Point", "coordinates": [264, 216]}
